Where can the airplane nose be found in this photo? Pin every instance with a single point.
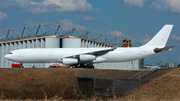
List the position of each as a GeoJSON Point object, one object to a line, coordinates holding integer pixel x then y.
{"type": "Point", "coordinates": [9, 57]}
{"type": "Point", "coordinates": [6, 56]}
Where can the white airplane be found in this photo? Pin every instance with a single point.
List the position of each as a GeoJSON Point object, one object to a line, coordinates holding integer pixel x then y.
{"type": "Point", "coordinates": [88, 56]}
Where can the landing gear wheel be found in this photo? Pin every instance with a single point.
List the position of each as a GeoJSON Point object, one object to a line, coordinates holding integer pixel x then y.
{"type": "Point", "coordinates": [82, 66]}
{"type": "Point", "coordinates": [90, 66]}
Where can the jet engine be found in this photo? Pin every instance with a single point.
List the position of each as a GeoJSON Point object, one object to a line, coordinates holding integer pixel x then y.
{"type": "Point", "coordinates": [69, 61]}
{"type": "Point", "coordinates": [87, 57]}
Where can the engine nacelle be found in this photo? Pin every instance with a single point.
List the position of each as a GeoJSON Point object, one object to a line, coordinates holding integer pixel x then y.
{"type": "Point", "coordinates": [69, 61]}
{"type": "Point", "coordinates": [87, 57]}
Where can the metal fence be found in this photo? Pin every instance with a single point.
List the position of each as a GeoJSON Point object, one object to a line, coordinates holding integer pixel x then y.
{"type": "Point", "coordinates": [108, 87]}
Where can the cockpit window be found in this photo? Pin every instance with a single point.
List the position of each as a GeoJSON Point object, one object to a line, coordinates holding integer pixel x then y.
{"type": "Point", "coordinates": [10, 53]}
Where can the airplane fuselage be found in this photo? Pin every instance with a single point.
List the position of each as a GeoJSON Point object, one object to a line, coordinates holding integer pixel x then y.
{"type": "Point", "coordinates": [52, 55]}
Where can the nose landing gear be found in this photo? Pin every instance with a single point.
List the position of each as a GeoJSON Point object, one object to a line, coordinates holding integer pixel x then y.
{"type": "Point", "coordinates": [22, 65]}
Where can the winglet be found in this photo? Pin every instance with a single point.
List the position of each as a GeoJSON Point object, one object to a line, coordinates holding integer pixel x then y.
{"type": "Point", "coordinates": [115, 47]}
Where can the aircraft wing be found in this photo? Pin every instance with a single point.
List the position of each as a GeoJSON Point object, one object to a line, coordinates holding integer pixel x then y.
{"type": "Point", "coordinates": [95, 53]}
{"type": "Point", "coordinates": [102, 52]}
{"type": "Point", "coordinates": [159, 50]}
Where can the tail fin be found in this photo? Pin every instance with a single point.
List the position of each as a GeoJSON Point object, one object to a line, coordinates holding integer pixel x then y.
{"type": "Point", "coordinates": [160, 39]}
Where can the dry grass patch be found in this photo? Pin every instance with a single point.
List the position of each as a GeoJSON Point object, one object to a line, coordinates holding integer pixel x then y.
{"type": "Point", "coordinates": [166, 87]}
{"type": "Point", "coordinates": [36, 83]}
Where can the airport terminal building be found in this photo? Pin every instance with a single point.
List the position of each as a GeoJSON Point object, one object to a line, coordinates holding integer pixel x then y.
{"type": "Point", "coordinates": [56, 41]}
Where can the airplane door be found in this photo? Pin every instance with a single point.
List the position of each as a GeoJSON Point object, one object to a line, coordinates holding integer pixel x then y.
{"type": "Point", "coordinates": [19, 54]}
{"type": "Point", "coordinates": [139, 51]}
{"type": "Point", "coordinates": [50, 53]}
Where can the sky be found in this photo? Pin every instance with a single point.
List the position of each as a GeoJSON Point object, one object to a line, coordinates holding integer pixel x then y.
{"type": "Point", "coordinates": [141, 19]}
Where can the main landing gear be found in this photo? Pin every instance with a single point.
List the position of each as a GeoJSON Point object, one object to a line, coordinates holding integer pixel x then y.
{"type": "Point", "coordinates": [88, 66]}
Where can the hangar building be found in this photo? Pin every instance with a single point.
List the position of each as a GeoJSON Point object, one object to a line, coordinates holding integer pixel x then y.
{"type": "Point", "coordinates": [45, 40]}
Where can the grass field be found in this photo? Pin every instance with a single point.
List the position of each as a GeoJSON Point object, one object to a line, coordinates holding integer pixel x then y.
{"type": "Point", "coordinates": [36, 83]}
{"type": "Point", "coordinates": [61, 84]}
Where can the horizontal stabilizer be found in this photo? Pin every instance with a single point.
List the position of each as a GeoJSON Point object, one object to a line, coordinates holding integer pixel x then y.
{"type": "Point", "coordinates": [158, 50]}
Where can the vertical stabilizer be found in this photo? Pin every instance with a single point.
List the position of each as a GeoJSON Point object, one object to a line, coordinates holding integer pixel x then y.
{"type": "Point", "coordinates": [160, 39]}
